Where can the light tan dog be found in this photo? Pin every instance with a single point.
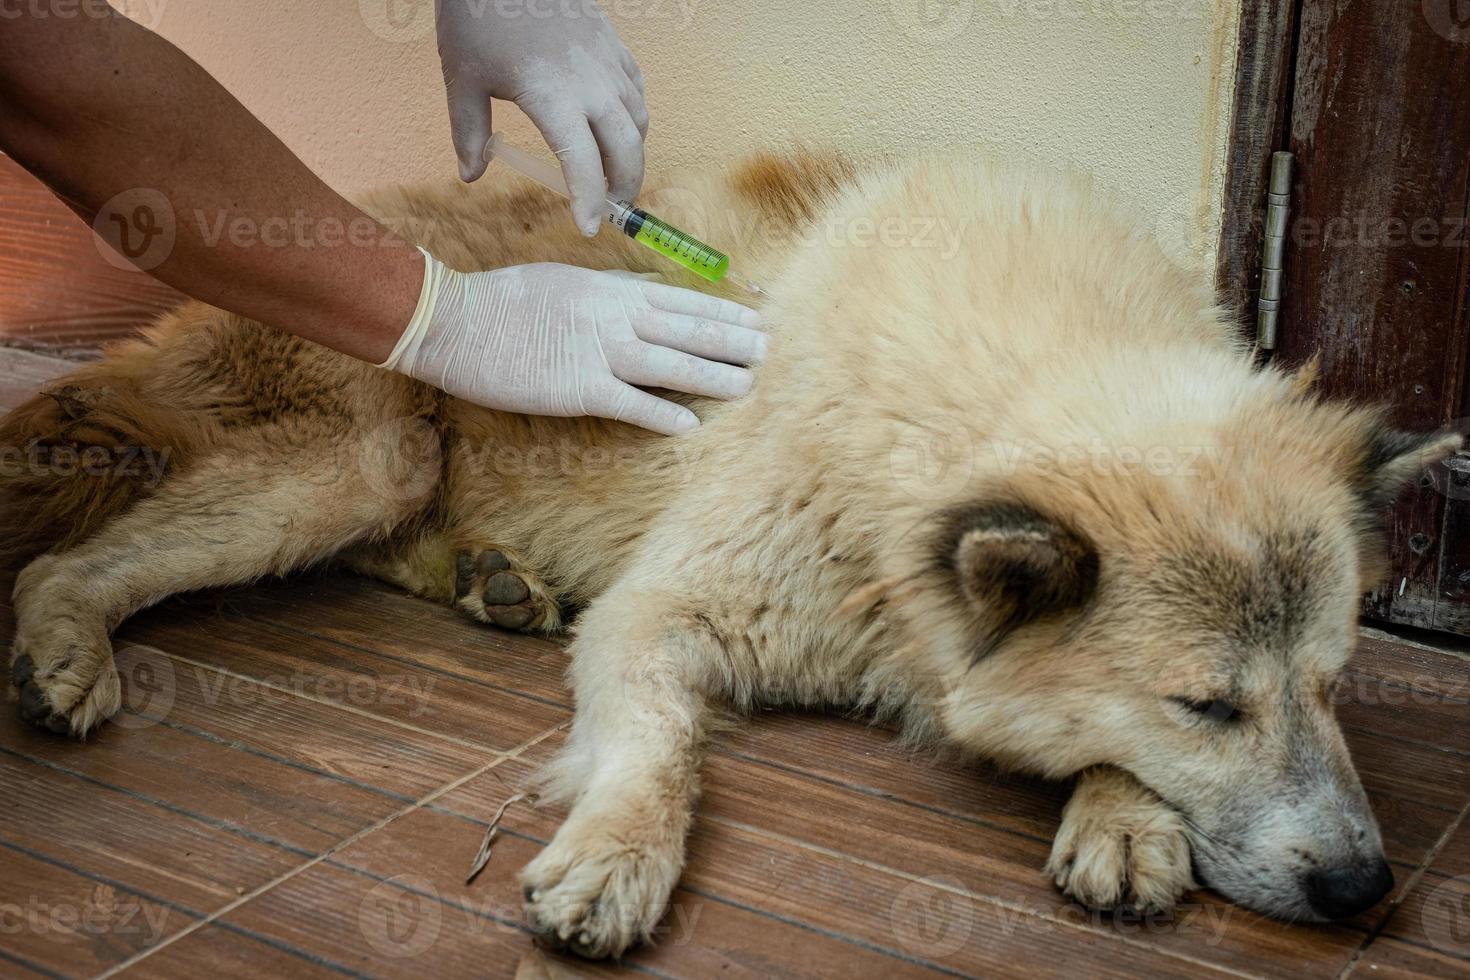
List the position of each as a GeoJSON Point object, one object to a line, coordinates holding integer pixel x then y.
{"type": "Point", "coordinates": [1006, 475]}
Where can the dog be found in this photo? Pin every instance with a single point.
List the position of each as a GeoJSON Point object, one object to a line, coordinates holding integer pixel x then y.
{"type": "Point", "coordinates": [1007, 477]}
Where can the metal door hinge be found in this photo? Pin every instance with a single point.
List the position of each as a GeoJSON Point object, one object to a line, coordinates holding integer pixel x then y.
{"type": "Point", "coordinates": [1273, 249]}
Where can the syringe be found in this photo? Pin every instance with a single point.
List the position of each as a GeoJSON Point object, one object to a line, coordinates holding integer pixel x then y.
{"type": "Point", "coordinates": [636, 223]}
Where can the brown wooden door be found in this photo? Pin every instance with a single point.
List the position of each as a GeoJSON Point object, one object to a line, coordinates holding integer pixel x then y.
{"type": "Point", "coordinates": [1378, 115]}
{"type": "Point", "coordinates": [57, 292]}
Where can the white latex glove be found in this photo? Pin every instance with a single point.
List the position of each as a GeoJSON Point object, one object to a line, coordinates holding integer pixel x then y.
{"type": "Point", "coordinates": [549, 339]}
{"type": "Point", "coordinates": [565, 66]}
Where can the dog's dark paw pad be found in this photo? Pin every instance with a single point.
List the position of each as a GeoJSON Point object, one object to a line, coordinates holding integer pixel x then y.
{"type": "Point", "coordinates": [490, 562]}
{"type": "Point", "coordinates": [35, 709]}
{"type": "Point", "coordinates": [516, 617]}
{"type": "Point", "coordinates": [33, 704]}
{"type": "Point", "coordinates": [21, 670]}
{"type": "Point", "coordinates": [508, 601]}
{"type": "Point", "coordinates": [464, 575]}
{"type": "Point", "coordinates": [488, 584]}
{"type": "Point", "coordinates": [505, 589]}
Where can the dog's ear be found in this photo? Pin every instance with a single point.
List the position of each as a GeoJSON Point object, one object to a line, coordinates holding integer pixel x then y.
{"type": "Point", "coordinates": [1394, 459]}
{"type": "Point", "coordinates": [1015, 565]}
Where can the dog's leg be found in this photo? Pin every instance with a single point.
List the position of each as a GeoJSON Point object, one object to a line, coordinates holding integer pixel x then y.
{"type": "Point", "coordinates": [1119, 845]}
{"type": "Point", "coordinates": [642, 667]}
{"type": "Point", "coordinates": [486, 581]}
{"type": "Point", "coordinates": [228, 518]}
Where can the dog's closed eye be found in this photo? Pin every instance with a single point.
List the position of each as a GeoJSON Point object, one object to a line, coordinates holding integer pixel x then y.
{"type": "Point", "coordinates": [1215, 709]}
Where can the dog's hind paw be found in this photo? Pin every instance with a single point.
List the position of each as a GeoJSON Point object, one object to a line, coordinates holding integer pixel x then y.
{"type": "Point", "coordinates": [494, 588]}
{"type": "Point", "coordinates": [1120, 846]}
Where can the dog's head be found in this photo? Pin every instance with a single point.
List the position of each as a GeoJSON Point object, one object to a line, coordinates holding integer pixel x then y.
{"type": "Point", "coordinates": [1188, 627]}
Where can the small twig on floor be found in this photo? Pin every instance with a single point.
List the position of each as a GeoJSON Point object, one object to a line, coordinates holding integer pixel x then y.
{"type": "Point", "coordinates": [482, 856]}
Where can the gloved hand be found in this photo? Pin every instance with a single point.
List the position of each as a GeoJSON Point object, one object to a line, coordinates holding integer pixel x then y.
{"type": "Point", "coordinates": [549, 339]}
{"type": "Point", "coordinates": [565, 66]}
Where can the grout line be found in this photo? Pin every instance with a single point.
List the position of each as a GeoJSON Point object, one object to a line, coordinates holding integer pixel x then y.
{"type": "Point", "coordinates": [426, 802]}
{"type": "Point", "coordinates": [712, 892]}
{"type": "Point", "coordinates": [699, 892]}
{"type": "Point", "coordinates": [213, 823]}
{"type": "Point", "coordinates": [1404, 893]}
{"type": "Point", "coordinates": [290, 950]}
{"type": "Point", "coordinates": [1429, 946]}
{"type": "Point", "coordinates": [351, 709]}
{"type": "Point", "coordinates": [234, 745]}
{"type": "Point", "coordinates": [36, 968]}
{"type": "Point", "coordinates": [468, 909]}
{"type": "Point", "coordinates": [318, 859]}
{"type": "Point", "coordinates": [964, 892]}
{"type": "Point", "coordinates": [707, 893]}
{"type": "Point", "coordinates": [169, 905]}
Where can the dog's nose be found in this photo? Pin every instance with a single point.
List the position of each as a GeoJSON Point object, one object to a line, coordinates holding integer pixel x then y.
{"type": "Point", "coordinates": [1339, 893]}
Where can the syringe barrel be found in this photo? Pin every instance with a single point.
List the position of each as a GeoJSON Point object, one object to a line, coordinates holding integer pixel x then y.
{"type": "Point", "coordinates": [668, 241]}
{"type": "Point", "coordinates": [548, 175]}
{"type": "Point", "coordinates": [636, 223]}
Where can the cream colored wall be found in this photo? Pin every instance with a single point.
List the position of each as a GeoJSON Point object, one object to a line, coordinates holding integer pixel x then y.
{"type": "Point", "coordinates": [1135, 91]}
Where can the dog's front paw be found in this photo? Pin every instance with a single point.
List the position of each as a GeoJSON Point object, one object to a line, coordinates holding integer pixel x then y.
{"type": "Point", "coordinates": [71, 690]}
{"type": "Point", "coordinates": [598, 893]}
{"type": "Point", "coordinates": [1120, 846]}
{"type": "Point", "coordinates": [61, 666]}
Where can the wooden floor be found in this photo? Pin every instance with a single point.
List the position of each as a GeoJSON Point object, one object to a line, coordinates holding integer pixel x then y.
{"type": "Point", "coordinates": [304, 771]}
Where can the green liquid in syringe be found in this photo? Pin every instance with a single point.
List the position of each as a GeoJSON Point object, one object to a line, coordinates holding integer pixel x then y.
{"type": "Point", "coordinates": [669, 241]}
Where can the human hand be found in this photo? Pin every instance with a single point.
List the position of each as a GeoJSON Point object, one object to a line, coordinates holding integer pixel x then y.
{"type": "Point", "coordinates": [549, 339]}
{"type": "Point", "coordinates": [568, 71]}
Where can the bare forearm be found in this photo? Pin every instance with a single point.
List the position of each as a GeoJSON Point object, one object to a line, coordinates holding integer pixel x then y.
{"type": "Point", "coordinates": [99, 106]}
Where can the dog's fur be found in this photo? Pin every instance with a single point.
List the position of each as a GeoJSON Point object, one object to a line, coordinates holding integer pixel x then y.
{"type": "Point", "coordinates": [1006, 475]}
